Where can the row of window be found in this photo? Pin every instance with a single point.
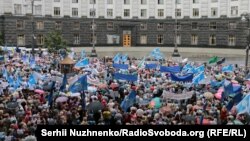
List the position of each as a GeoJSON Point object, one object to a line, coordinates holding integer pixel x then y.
{"type": "Point", "coordinates": [110, 25]}
{"type": "Point", "coordinates": [126, 12]}
{"type": "Point", "coordinates": [58, 25]}
{"type": "Point", "coordinates": [194, 39]}
{"type": "Point", "coordinates": [141, 1]}
{"type": "Point", "coordinates": [143, 39]}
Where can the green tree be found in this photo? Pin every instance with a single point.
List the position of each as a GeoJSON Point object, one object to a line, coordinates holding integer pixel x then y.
{"type": "Point", "coordinates": [1, 39]}
{"type": "Point", "coordinates": [55, 42]}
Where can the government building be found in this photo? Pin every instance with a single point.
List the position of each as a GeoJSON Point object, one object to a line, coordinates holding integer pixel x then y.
{"type": "Point", "coordinates": [161, 23]}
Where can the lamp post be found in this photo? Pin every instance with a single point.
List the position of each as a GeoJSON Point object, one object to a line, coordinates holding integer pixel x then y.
{"type": "Point", "coordinates": [246, 17]}
{"type": "Point", "coordinates": [176, 52]}
{"type": "Point", "coordinates": [93, 51]}
{"type": "Point", "coordinates": [33, 28]}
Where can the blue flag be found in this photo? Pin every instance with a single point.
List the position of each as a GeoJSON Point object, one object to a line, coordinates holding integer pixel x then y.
{"type": "Point", "coordinates": [83, 54]}
{"type": "Point", "coordinates": [228, 88]}
{"type": "Point", "coordinates": [64, 83]}
{"type": "Point", "coordinates": [126, 77]}
{"type": "Point", "coordinates": [124, 58]}
{"type": "Point", "coordinates": [185, 78]}
{"type": "Point", "coordinates": [80, 85]}
{"type": "Point", "coordinates": [217, 84]}
{"type": "Point", "coordinates": [197, 79]}
{"type": "Point", "coordinates": [32, 80]}
{"type": "Point", "coordinates": [120, 66]}
{"type": "Point", "coordinates": [173, 69]}
{"type": "Point", "coordinates": [32, 63]}
{"type": "Point", "coordinates": [151, 66]}
{"type": "Point", "coordinates": [117, 58]}
{"type": "Point", "coordinates": [244, 105]}
{"type": "Point", "coordinates": [82, 63]}
{"type": "Point", "coordinates": [50, 97]}
{"type": "Point", "coordinates": [199, 69]}
{"type": "Point", "coordinates": [156, 54]}
{"type": "Point", "coordinates": [187, 67]}
{"type": "Point", "coordinates": [128, 101]}
{"type": "Point", "coordinates": [228, 68]}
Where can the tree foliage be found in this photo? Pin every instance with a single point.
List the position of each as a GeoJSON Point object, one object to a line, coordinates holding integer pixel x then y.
{"type": "Point", "coordinates": [55, 42]}
{"type": "Point", "coordinates": [1, 39]}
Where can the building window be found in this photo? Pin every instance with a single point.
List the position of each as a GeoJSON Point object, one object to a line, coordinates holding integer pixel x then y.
{"type": "Point", "coordinates": [76, 25]}
{"type": "Point", "coordinates": [58, 25]}
{"type": "Point", "coordinates": [195, 12]}
{"type": "Point", "coordinates": [178, 13]}
{"type": "Point", "coordinates": [40, 39]}
{"type": "Point", "coordinates": [178, 1]}
{"type": "Point", "coordinates": [18, 9]}
{"type": "Point", "coordinates": [212, 25]}
{"type": "Point", "coordinates": [110, 25]}
{"type": "Point", "coordinates": [74, 12]}
{"type": "Point", "coordinates": [92, 26]}
{"type": "Point", "coordinates": [143, 39]}
{"type": "Point", "coordinates": [92, 12]}
{"type": "Point", "coordinates": [126, 1]}
{"type": "Point", "coordinates": [113, 39]}
{"type": "Point", "coordinates": [109, 1]}
{"type": "Point", "coordinates": [214, 12]}
{"type": "Point", "coordinates": [143, 26]}
{"type": "Point", "coordinates": [38, 9]}
{"type": "Point", "coordinates": [160, 26]}
{"type": "Point", "coordinates": [76, 39]}
{"type": "Point", "coordinates": [194, 25]}
{"type": "Point", "coordinates": [143, 2]}
{"type": "Point", "coordinates": [212, 40]}
{"type": "Point", "coordinates": [74, 1]}
{"type": "Point", "coordinates": [40, 25]}
{"type": "Point", "coordinates": [160, 1]}
{"type": "Point", "coordinates": [110, 13]}
{"type": "Point", "coordinates": [178, 39]}
{"type": "Point", "coordinates": [178, 26]}
{"type": "Point", "coordinates": [213, 1]}
{"type": "Point", "coordinates": [126, 12]}
{"type": "Point", "coordinates": [20, 40]}
{"type": "Point", "coordinates": [20, 24]}
{"type": "Point", "coordinates": [195, 1]}
{"type": "Point", "coordinates": [93, 40]}
{"type": "Point", "coordinates": [92, 2]}
{"type": "Point", "coordinates": [232, 25]}
{"type": "Point", "coordinates": [234, 11]}
{"type": "Point", "coordinates": [231, 40]}
{"type": "Point", "coordinates": [194, 39]}
{"type": "Point", "coordinates": [57, 11]}
{"type": "Point", "coordinates": [160, 39]}
{"type": "Point", "coordinates": [160, 12]}
{"type": "Point", "coordinates": [143, 13]}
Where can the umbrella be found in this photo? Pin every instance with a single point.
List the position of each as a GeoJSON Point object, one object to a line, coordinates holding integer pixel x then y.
{"type": "Point", "coordinates": [155, 103]}
{"type": "Point", "coordinates": [61, 99]}
{"type": "Point", "coordinates": [11, 105]}
{"type": "Point", "coordinates": [95, 107]}
{"type": "Point", "coordinates": [39, 91]}
{"type": "Point", "coordinates": [208, 95]}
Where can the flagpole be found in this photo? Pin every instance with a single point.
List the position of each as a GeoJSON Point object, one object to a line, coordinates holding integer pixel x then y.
{"type": "Point", "coordinates": [176, 52]}
{"type": "Point", "coordinates": [94, 39]}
